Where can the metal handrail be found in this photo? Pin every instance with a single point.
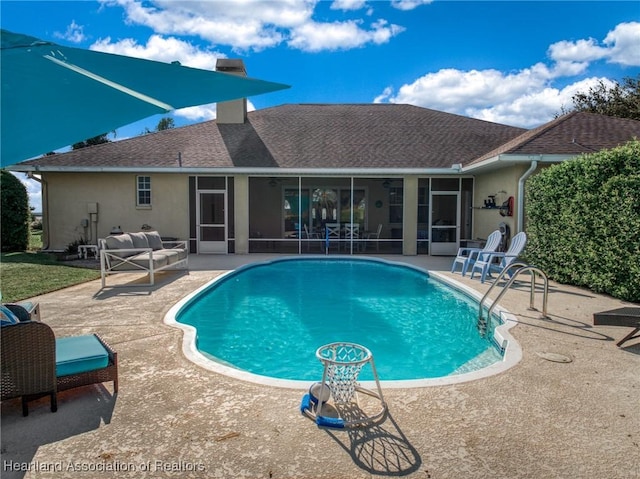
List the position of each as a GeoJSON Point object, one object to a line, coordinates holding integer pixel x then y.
{"type": "Point", "coordinates": [522, 267]}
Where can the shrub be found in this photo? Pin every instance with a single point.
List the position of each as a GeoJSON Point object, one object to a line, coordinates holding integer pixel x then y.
{"type": "Point", "coordinates": [14, 213]}
{"type": "Point", "coordinates": [72, 248]}
{"type": "Point", "coordinates": [583, 221]}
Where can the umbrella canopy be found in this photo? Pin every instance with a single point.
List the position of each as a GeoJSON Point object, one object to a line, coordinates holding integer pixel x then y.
{"type": "Point", "coordinates": [54, 96]}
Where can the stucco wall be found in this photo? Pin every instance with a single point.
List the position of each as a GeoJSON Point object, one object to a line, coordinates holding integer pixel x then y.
{"type": "Point", "coordinates": [68, 196]}
{"type": "Point", "coordinates": [502, 183]}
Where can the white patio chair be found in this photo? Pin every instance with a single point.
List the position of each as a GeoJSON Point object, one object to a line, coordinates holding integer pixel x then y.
{"type": "Point", "coordinates": [486, 262]}
{"type": "Point", "coordinates": [370, 235]}
{"type": "Point", "coordinates": [352, 233]}
{"type": "Point", "coordinates": [467, 256]}
{"type": "Point", "coordinates": [310, 235]}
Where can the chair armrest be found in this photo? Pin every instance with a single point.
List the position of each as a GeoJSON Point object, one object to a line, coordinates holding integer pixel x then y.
{"type": "Point", "coordinates": [125, 253]}
{"type": "Point", "coordinates": [182, 244]}
{"type": "Point", "coordinates": [490, 255]}
{"type": "Point", "coordinates": [469, 251]}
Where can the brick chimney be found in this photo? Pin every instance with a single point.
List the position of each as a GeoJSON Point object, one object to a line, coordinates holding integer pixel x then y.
{"type": "Point", "coordinates": [233, 111]}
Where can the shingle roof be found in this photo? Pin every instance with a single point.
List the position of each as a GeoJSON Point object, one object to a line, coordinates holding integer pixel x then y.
{"type": "Point", "coordinates": [571, 134]}
{"type": "Point", "coordinates": [305, 136]}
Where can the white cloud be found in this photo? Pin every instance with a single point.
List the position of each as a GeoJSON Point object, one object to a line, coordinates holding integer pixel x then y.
{"type": "Point", "coordinates": [348, 4]}
{"type": "Point", "coordinates": [524, 99]}
{"type": "Point", "coordinates": [244, 24]}
{"type": "Point", "coordinates": [314, 37]}
{"type": "Point", "coordinates": [161, 49]}
{"type": "Point", "coordinates": [34, 191]}
{"type": "Point", "coordinates": [257, 24]}
{"type": "Point", "coordinates": [528, 97]}
{"type": "Point", "coordinates": [409, 4]}
{"type": "Point", "coordinates": [621, 45]}
{"type": "Point", "coordinates": [454, 90]}
{"type": "Point", "coordinates": [204, 112]}
{"type": "Point", "coordinates": [74, 33]}
{"type": "Point", "coordinates": [624, 44]}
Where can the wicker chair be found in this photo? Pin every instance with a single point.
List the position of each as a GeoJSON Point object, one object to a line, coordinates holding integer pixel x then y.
{"type": "Point", "coordinates": [29, 365]}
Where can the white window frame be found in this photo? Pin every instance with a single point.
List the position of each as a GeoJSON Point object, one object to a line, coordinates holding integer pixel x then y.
{"type": "Point", "coordinates": [141, 190]}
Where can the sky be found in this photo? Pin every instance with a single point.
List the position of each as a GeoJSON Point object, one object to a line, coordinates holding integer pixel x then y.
{"type": "Point", "coordinates": [511, 62]}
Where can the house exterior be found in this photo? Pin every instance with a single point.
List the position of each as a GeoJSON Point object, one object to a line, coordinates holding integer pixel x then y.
{"type": "Point", "coordinates": [408, 180]}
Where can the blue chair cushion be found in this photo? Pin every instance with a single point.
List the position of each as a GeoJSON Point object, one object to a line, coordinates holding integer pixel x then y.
{"type": "Point", "coordinates": [79, 354]}
{"type": "Point", "coordinates": [7, 317]}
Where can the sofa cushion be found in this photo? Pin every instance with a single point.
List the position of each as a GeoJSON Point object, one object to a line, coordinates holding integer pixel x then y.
{"type": "Point", "coordinates": [79, 354]}
{"type": "Point", "coordinates": [173, 255]}
{"type": "Point", "coordinates": [154, 239]}
{"type": "Point", "coordinates": [122, 241]}
{"type": "Point", "coordinates": [7, 317]}
{"type": "Point", "coordinates": [139, 240]}
{"type": "Point", "coordinates": [142, 259]}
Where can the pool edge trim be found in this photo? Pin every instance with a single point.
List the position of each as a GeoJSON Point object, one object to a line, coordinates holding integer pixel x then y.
{"type": "Point", "coordinates": [512, 354]}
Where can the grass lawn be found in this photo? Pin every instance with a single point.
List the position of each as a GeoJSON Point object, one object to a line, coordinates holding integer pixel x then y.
{"type": "Point", "coordinates": [24, 275]}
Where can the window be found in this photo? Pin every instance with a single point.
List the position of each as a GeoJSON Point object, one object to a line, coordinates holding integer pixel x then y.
{"type": "Point", "coordinates": [395, 204]}
{"type": "Point", "coordinates": [143, 196]}
{"type": "Point", "coordinates": [423, 203]}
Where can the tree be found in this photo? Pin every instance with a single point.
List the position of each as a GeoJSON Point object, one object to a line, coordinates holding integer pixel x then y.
{"type": "Point", "coordinates": [622, 101]}
{"type": "Point", "coordinates": [165, 123]}
{"type": "Point", "coordinates": [15, 213]}
{"type": "Point", "coordinates": [96, 140]}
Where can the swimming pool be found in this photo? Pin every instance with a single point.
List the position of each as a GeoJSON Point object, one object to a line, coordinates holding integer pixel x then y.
{"type": "Point", "coordinates": [264, 321]}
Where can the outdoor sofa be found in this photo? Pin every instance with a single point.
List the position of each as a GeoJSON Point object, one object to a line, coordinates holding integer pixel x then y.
{"type": "Point", "coordinates": [35, 363]}
{"type": "Point", "coordinates": [142, 252]}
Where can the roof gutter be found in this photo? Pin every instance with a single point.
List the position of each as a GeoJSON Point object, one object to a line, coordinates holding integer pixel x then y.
{"type": "Point", "coordinates": [515, 158]}
{"type": "Point", "coordinates": [380, 172]}
{"type": "Point", "coordinates": [521, 181]}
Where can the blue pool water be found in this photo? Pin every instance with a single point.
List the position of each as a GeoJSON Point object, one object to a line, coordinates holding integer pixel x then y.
{"type": "Point", "coordinates": [270, 318]}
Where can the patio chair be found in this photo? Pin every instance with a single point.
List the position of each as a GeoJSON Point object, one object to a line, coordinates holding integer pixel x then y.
{"type": "Point", "coordinates": [24, 311]}
{"type": "Point", "coordinates": [373, 235]}
{"type": "Point", "coordinates": [467, 256]}
{"type": "Point", "coordinates": [488, 262]}
{"type": "Point", "coordinates": [35, 363]}
{"type": "Point", "coordinates": [310, 235]}
{"type": "Point", "coordinates": [332, 234]}
{"type": "Point", "coordinates": [352, 233]}
{"type": "Point", "coordinates": [626, 317]}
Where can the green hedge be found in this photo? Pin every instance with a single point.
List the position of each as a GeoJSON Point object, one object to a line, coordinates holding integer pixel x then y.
{"type": "Point", "coordinates": [14, 213]}
{"type": "Point", "coordinates": [583, 221]}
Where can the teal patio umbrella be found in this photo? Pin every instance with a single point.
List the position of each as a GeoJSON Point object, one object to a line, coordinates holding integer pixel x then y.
{"type": "Point", "coordinates": [54, 96]}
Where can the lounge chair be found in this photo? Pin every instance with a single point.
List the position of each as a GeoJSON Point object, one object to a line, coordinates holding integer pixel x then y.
{"type": "Point", "coordinates": [467, 256]}
{"type": "Point", "coordinates": [487, 263]}
{"type": "Point", "coordinates": [35, 363]}
{"type": "Point", "coordinates": [625, 317]}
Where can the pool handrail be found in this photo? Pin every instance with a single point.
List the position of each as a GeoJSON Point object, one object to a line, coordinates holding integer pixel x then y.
{"type": "Point", "coordinates": [522, 267]}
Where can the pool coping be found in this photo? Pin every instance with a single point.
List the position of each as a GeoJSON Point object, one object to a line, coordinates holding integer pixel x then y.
{"type": "Point", "coordinates": [511, 356]}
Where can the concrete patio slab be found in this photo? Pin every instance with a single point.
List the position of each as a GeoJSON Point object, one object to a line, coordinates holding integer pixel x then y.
{"type": "Point", "coordinates": [540, 419]}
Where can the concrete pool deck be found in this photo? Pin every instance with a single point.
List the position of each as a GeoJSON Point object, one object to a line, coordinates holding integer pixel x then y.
{"type": "Point", "coordinates": [172, 418]}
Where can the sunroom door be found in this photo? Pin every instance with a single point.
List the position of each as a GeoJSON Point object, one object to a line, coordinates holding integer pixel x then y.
{"type": "Point", "coordinates": [212, 227]}
{"type": "Point", "coordinates": [445, 223]}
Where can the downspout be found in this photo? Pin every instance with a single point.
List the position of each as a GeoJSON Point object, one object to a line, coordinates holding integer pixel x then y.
{"type": "Point", "coordinates": [523, 178]}
{"type": "Point", "coordinates": [45, 207]}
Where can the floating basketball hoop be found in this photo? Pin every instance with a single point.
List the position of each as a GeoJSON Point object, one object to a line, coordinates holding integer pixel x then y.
{"type": "Point", "coordinates": [334, 402]}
